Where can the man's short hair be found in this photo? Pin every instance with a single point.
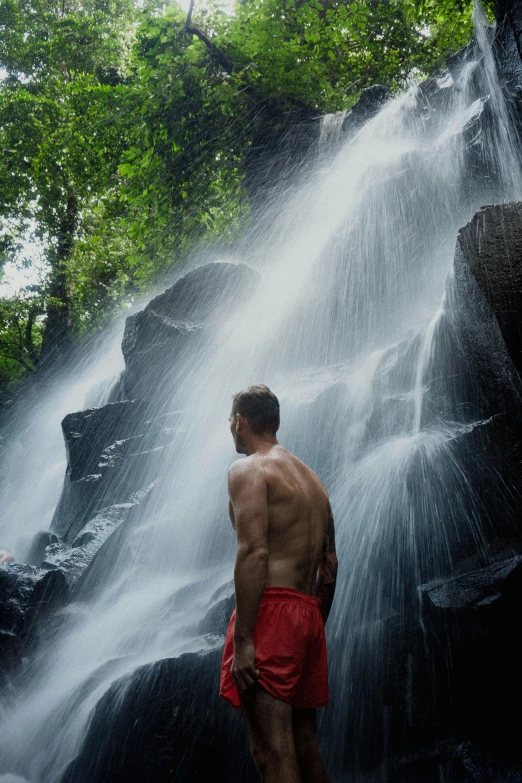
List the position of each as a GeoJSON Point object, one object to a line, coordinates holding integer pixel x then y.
{"type": "Point", "coordinates": [259, 406]}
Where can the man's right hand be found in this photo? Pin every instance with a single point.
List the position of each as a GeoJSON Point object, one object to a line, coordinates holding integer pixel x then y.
{"type": "Point", "coordinates": [243, 670]}
{"type": "Point", "coordinates": [6, 557]}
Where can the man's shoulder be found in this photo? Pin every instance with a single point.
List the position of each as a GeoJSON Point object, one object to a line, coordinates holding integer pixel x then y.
{"type": "Point", "coordinates": [243, 468]}
{"type": "Point", "coordinates": [239, 466]}
{"type": "Point", "coordinates": [309, 472]}
{"type": "Point", "coordinates": [245, 475]}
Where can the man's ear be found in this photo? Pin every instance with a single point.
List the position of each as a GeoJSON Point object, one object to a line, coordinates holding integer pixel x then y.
{"type": "Point", "coordinates": [239, 422]}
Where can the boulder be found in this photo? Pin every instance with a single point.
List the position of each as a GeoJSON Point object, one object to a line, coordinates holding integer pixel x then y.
{"type": "Point", "coordinates": [73, 559]}
{"type": "Point", "coordinates": [279, 150]}
{"type": "Point", "coordinates": [89, 432]}
{"type": "Point", "coordinates": [476, 588]}
{"type": "Point", "coordinates": [39, 544]}
{"type": "Point", "coordinates": [490, 247]}
{"type": "Point", "coordinates": [508, 43]}
{"type": "Point", "coordinates": [165, 722]}
{"type": "Point", "coordinates": [221, 606]}
{"type": "Point", "coordinates": [104, 447]}
{"type": "Point", "coordinates": [28, 597]}
{"type": "Point", "coordinates": [157, 338]}
{"type": "Point", "coordinates": [370, 103]}
{"type": "Point", "coordinates": [471, 622]}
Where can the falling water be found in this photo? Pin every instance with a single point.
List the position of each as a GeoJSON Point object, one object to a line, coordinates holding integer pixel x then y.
{"type": "Point", "coordinates": [347, 310]}
{"type": "Point", "coordinates": [33, 462]}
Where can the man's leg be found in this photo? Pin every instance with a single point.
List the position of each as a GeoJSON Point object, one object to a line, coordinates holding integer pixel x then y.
{"type": "Point", "coordinates": [307, 747]}
{"type": "Point", "coordinates": [271, 736]}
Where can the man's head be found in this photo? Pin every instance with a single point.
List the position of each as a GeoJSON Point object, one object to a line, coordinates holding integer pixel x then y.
{"type": "Point", "coordinates": [255, 413]}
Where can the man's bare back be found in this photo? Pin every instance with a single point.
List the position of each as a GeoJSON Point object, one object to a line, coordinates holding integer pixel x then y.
{"type": "Point", "coordinates": [284, 578]}
{"type": "Point", "coordinates": [298, 516]}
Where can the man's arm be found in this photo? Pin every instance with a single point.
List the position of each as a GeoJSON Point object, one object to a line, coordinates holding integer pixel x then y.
{"type": "Point", "coordinates": [249, 498]}
{"type": "Point", "coordinates": [327, 571]}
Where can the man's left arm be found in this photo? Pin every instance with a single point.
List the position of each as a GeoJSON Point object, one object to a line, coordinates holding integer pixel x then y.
{"type": "Point", "coordinates": [327, 571]}
{"type": "Point", "coordinates": [248, 494]}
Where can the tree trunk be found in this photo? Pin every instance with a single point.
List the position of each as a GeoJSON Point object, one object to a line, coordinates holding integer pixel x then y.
{"type": "Point", "coordinates": [56, 337]}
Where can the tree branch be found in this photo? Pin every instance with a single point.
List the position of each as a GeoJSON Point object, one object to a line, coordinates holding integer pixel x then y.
{"type": "Point", "coordinates": [21, 359]}
{"type": "Point", "coordinates": [221, 58]}
{"type": "Point", "coordinates": [188, 20]}
{"type": "Point", "coordinates": [30, 347]}
{"type": "Point", "coordinates": [19, 329]}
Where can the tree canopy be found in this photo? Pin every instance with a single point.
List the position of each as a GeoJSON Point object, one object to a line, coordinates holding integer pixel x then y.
{"type": "Point", "coordinates": [124, 130]}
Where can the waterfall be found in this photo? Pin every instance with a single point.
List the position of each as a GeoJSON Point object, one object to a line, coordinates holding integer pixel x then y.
{"type": "Point", "coordinates": [34, 461]}
{"type": "Point", "coordinates": [352, 275]}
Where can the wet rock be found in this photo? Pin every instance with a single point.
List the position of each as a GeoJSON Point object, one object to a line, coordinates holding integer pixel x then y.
{"type": "Point", "coordinates": [165, 722]}
{"type": "Point", "coordinates": [456, 61]}
{"type": "Point", "coordinates": [478, 764]}
{"type": "Point", "coordinates": [178, 321]}
{"type": "Point", "coordinates": [114, 550]}
{"type": "Point", "coordinates": [222, 604]}
{"type": "Point", "coordinates": [28, 596]}
{"type": "Point", "coordinates": [39, 544]}
{"type": "Point", "coordinates": [471, 668]}
{"type": "Point", "coordinates": [484, 372]}
{"type": "Point", "coordinates": [371, 101]}
{"type": "Point", "coordinates": [278, 151]}
{"type": "Point", "coordinates": [508, 44]}
{"type": "Point", "coordinates": [475, 588]}
{"type": "Point", "coordinates": [453, 762]}
{"type": "Point", "coordinates": [73, 559]}
{"type": "Point", "coordinates": [88, 433]}
{"type": "Point", "coordinates": [490, 245]}
{"type": "Point", "coordinates": [304, 420]}
{"type": "Point", "coordinates": [112, 457]}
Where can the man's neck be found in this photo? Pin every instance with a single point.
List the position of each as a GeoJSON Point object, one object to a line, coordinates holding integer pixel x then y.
{"type": "Point", "coordinates": [259, 444]}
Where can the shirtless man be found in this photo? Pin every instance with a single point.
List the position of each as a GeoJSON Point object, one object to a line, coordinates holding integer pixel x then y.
{"type": "Point", "coordinates": [274, 661]}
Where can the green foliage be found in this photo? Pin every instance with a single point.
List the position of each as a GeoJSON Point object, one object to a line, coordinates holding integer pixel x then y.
{"type": "Point", "coordinates": [182, 173]}
{"type": "Point", "coordinates": [61, 138]}
{"type": "Point", "coordinates": [323, 52]}
{"type": "Point", "coordinates": [20, 340]}
{"type": "Point", "coordinates": [43, 39]}
{"type": "Point", "coordinates": [123, 135]}
{"type": "Point", "coordinates": [98, 270]}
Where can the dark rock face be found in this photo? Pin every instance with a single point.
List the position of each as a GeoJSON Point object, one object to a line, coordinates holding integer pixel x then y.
{"type": "Point", "coordinates": [508, 14]}
{"type": "Point", "coordinates": [156, 338]}
{"type": "Point", "coordinates": [278, 151]}
{"type": "Point", "coordinates": [29, 595]}
{"type": "Point", "coordinates": [75, 558]}
{"type": "Point", "coordinates": [89, 433]}
{"type": "Point", "coordinates": [104, 447]}
{"type": "Point", "coordinates": [114, 451]}
{"type": "Point", "coordinates": [445, 684]}
{"type": "Point", "coordinates": [491, 245]}
{"type": "Point", "coordinates": [151, 726]}
{"type": "Point", "coordinates": [222, 604]}
{"type": "Point", "coordinates": [472, 618]}
{"type": "Point", "coordinates": [371, 101]}
{"type": "Point", "coordinates": [450, 670]}
{"type": "Point", "coordinates": [114, 455]}
{"type": "Point", "coordinates": [475, 588]}
{"type": "Point", "coordinates": [39, 544]}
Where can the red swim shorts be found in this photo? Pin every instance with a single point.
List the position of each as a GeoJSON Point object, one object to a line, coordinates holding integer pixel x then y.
{"type": "Point", "coordinates": [290, 650]}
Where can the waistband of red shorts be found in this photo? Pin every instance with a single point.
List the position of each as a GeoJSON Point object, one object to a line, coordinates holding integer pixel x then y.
{"type": "Point", "coordinates": [271, 594]}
